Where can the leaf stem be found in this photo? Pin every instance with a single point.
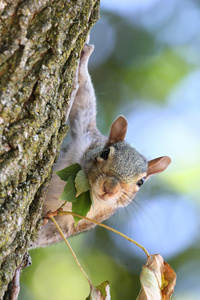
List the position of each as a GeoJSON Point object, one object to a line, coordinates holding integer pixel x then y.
{"type": "Point", "coordinates": [71, 250]}
{"type": "Point", "coordinates": [63, 204]}
{"type": "Point", "coordinates": [61, 213]}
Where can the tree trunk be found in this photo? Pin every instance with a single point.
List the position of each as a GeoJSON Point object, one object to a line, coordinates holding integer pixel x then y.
{"type": "Point", "coordinates": [40, 45]}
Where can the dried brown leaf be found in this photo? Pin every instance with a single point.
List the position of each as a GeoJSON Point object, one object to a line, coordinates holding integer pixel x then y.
{"type": "Point", "coordinates": [168, 282]}
{"type": "Point", "coordinates": [157, 279]}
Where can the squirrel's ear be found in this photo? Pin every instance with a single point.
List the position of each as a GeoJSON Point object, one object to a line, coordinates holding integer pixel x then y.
{"type": "Point", "coordinates": [117, 131]}
{"type": "Point", "coordinates": [158, 165]}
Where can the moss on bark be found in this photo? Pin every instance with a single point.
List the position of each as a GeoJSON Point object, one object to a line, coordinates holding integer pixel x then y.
{"type": "Point", "coordinates": [40, 45]}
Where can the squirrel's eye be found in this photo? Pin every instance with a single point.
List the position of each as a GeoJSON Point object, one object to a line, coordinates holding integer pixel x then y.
{"type": "Point", "coordinates": [141, 181]}
{"type": "Point", "coordinates": [105, 153]}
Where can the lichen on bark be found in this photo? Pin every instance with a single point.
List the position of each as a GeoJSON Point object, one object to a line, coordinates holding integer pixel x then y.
{"type": "Point", "coordinates": [41, 42]}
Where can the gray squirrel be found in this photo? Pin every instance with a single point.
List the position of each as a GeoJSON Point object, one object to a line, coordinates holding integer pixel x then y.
{"type": "Point", "coordinates": [115, 170]}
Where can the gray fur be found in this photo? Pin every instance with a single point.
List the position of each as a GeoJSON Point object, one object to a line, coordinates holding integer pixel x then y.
{"type": "Point", "coordinates": [124, 166]}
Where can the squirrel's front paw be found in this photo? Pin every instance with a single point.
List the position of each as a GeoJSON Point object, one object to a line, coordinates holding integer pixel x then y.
{"type": "Point", "coordinates": [85, 54]}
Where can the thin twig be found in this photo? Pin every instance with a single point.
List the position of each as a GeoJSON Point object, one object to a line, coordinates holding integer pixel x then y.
{"type": "Point", "coordinates": [71, 250]}
{"type": "Point", "coordinates": [61, 213]}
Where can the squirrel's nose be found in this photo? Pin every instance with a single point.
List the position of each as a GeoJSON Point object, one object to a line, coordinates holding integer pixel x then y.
{"type": "Point", "coordinates": [111, 186]}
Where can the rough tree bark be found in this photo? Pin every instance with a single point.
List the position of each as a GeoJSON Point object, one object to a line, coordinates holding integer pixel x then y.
{"type": "Point", "coordinates": [40, 45]}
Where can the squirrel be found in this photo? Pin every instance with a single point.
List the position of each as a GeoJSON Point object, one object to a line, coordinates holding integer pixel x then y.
{"type": "Point", "coordinates": [115, 169]}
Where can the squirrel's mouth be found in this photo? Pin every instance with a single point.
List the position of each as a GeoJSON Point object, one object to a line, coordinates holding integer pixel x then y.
{"type": "Point", "coordinates": [106, 197]}
{"type": "Point", "coordinates": [102, 197]}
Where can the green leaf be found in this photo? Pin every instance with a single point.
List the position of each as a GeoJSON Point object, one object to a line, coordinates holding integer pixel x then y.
{"type": "Point", "coordinates": [81, 183]}
{"type": "Point", "coordinates": [100, 292]}
{"type": "Point", "coordinates": [81, 206]}
{"type": "Point", "coordinates": [103, 288]}
{"type": "Point", "coordinates": [65, 173]}
{"type": "Point", "coordinates": [69, 191]}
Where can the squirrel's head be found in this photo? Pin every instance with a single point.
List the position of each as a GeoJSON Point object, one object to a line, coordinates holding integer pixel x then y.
{"type": "Point", "coordinates": [116, 170]}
